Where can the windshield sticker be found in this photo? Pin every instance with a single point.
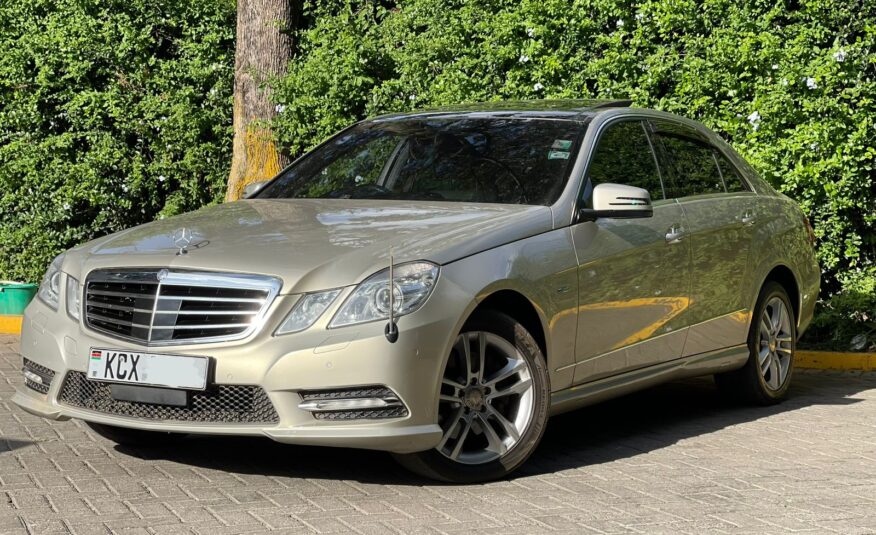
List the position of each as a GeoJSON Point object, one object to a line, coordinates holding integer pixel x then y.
{"type": "Point", "coordinates": [562, 144]}
{"type": "Point", "coordinates": [558, 155]}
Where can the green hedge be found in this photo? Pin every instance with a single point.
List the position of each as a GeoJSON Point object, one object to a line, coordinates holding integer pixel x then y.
{"type": "Point", "coordinates": [115, 113]}
{"type": "Point", "coordinates": [112, 113]}
{"type": "Point", "coordinates": [790, 84]}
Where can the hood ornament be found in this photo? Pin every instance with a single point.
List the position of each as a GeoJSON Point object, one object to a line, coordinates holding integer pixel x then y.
{"type": "Point", "coordinates": [183, 239]}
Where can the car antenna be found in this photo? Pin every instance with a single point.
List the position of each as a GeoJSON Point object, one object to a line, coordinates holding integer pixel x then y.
{"type": "Point", "coordinates": [391, 330]}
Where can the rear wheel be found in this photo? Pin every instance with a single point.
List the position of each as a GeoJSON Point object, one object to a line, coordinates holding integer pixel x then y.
{"type": "Point", "coordinates": [772, 337]}
{"type": "Point", "coordinates": [493, 403]}
{"type": "Point", "coordinates": [135, 438]}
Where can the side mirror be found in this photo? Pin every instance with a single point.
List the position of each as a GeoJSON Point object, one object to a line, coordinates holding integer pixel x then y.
{"type": "Point", "coordinates": [252, 188]}
{"type": "Point", "coordinates": [619, 202]}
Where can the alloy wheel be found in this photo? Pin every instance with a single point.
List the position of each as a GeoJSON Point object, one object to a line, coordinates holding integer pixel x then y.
{"type": "Point", "coordinates": [486, 401]}
{"type": "Point", "coordinates": [776, 343]}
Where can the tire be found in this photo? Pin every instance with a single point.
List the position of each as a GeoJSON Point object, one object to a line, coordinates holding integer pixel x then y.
{"type": "Point", "coordinates": [493, 424]}
{"type": "Point", "coordinates": [750, 384]}
{"type": "Point", "coordinates": [135, 438]}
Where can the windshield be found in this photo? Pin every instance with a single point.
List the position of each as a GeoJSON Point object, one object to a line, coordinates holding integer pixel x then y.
{"type": "Point", "coordinates": [511, 161]}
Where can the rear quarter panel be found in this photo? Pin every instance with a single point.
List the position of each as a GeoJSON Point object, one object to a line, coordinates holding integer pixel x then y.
{"type": "Point", "coordinates": [781, 239]}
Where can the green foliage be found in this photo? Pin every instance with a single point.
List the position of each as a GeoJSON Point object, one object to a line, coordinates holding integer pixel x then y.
{"type": "Point", "coordinates": [790, 84]}
{"type": "Point", "coordinates": [848, 320]}
{"type": "Point", "coordinates": [112, 113]}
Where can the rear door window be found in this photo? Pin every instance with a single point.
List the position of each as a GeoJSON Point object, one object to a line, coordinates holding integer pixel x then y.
{"type": "Point", "coordinates": [732, 181]}
{"type": "Point", "coordinates": [691, 161]}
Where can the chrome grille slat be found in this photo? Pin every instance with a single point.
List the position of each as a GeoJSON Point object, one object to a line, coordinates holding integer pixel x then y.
{"type": "Point", "coordinates": [216, 299]}
{"type": "Point", "coordinates": [210, 312]}
{"type": "Point", "coordinates": [122, 308]}
{"type": "Point", "coordinates": [178, 307]}
{"type": "Point", "coordinates": [117, 321]}
{"type": "Point", "coordinates": [109, 293]}
{"type": "Point", "coordinates": [203, 326]}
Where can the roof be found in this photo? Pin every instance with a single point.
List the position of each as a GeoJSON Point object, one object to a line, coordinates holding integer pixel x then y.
{"type": "Point", "coordinates": [572, 109]}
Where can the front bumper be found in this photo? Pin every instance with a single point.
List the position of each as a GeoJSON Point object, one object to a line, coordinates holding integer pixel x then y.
{"type": "Point", "coordinates": [284, 366]}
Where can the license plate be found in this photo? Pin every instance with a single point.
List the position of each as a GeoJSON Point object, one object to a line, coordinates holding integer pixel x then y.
{"type": "Point", "coordinates": [172, 371]}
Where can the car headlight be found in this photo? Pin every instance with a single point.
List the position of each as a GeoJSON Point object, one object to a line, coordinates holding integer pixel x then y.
{"type": "Point", "coordinates": [411, 285]}
{"type": "Point", "coordinates": [50, 288]}
{"type": "Point", "coordinates": [72, 299]}
{"type": "Point", "coordinates": [307, 310]}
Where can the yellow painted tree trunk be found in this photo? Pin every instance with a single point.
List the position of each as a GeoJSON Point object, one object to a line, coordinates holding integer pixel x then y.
{"type": "Point", "coordinates": [264, 46]}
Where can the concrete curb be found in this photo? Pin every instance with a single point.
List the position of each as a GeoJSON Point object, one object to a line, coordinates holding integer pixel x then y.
{"type": "Point", "coordinates": [834, 360]}
{"type": "Point", "coordinates": [10, 324]}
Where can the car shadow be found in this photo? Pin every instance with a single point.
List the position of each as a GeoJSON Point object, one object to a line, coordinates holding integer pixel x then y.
{"type": "Point", "coordinates": [12, 444]}
{"type": "Point", "coordinates": [617, 429]}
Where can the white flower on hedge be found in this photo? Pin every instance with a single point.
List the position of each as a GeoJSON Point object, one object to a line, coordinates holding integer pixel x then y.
{"type": "Point", "coordinates": [413, 97]}
{"type": "Point", "coordinates": [784, 81]}
{"type": "Point", "coordinates": [619, 23]}
{"type": "Point", "coordinates": [161, 178]}
{"type": "Point", "coordinates": [280, 108]}
{"type": "Point", "coordinates": [775, 66]}
{"type": "Point", "coordinates": [538, 86]}
{"type": "Point", "coordinates": [523, 58]}
{"type": "Point", "coordinates": [754, 120]}
{"type": "Point", "coordinates": [840, 55]}
{"type": "Point", "coordinates": [530, 32]}
{"type": "Point", "coordinates": [810, 82]}
{"type": "Point", "coordinates": [640, 16]}
{"type": "Point", "coordinates": [66, 206]}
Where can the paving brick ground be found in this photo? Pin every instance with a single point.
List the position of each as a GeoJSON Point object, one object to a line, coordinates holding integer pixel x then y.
{"type": "Point", "coordinates": [674, 459]}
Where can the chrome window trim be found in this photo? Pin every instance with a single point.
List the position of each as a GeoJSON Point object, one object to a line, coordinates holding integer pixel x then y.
{"type": "Point", "coordinates": [180, 277]}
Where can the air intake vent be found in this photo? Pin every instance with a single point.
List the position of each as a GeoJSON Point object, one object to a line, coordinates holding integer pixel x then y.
{"type": "Point", "coordinates": [163, 307]}
{"type": "Point", "coordinates": [36, 376]}
{"type": "Point", "coordinates": [227, 404]}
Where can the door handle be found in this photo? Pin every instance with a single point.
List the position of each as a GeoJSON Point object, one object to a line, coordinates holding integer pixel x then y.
{"type": "Point", "coordinates": [674, 235]}
{"type": "Point", "coordinates": [748, 219]}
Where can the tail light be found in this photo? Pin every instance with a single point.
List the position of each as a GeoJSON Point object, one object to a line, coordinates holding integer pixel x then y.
{"type": "Point", "coordinates": [809, 232]}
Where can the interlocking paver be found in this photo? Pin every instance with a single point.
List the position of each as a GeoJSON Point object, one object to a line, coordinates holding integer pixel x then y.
{"type": "Point", "coordinates": [674, 459]}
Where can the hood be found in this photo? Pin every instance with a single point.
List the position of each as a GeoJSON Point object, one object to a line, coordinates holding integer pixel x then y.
{"type": "Point", "coordinates": [313, 244]}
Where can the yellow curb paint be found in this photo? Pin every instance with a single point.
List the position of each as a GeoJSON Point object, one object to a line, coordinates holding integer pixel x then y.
{"type": "Point", "coordinates": [10, 324]}
{"type": "Point", "coordinates": [830, 360]}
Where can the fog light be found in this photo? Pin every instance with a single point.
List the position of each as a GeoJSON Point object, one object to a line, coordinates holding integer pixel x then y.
{"type": "Point", "coordinates": [348, 404]}
{"type": "Point", "coordinates": [30, 376]}
{"type": "Point", "coordinates": [37, 377]}
{"type": "Point", "coordinates": [366, 402]}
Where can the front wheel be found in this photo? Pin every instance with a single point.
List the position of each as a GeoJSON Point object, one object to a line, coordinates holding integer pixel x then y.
{"type": "Point", "coordinates": [493, 403]}
{"type": "Point", "coordinates": [772, 336]}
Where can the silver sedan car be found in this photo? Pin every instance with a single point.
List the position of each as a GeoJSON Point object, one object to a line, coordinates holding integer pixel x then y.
{"type": "Point", "coordinates": [434, 284]}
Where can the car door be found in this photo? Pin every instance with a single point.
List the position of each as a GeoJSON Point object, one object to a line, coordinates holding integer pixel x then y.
{"type": "Point", "coordinates": [720, 213]}
{"type": "Point", "coordinates": [633, 274]}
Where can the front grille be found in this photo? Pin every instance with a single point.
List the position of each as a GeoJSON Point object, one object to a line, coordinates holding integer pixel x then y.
{"type": "Point", "coordinates": [44, 374]}
{"type": "Point", "coordinates": [395, 408]}
{"type": "Point", "coordinates": [165, 307]}
{"type": "Point", "coordinates": [227, 404]}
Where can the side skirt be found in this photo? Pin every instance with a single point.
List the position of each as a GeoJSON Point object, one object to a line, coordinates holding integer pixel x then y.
{"type": "Point", "coordinates": [722, 360]}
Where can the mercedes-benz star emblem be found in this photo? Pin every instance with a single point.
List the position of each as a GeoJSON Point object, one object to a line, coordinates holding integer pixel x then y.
{"type": "Point", "coordinates": [182, 238]}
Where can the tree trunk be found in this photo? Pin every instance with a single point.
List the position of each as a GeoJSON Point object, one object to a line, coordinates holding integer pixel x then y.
{"type": "Point", "coordinates": [264, 47]}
